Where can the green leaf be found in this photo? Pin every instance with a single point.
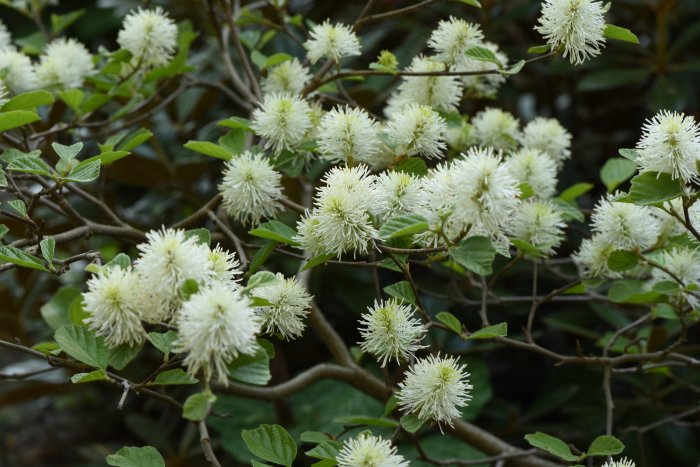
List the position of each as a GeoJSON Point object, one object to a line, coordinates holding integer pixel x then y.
{"type": "Point", "coordinates": [664, 311]}
{"type": "Point", "coordinates": [568, 210]}
{"type": "Point", "coordinates": [28, 100]}
{"type": "Point", "coordinates": [476, 254]}
{"type": "Point", "coordinates": [233, 141]}
{"type": "Point", "coordinates": [47, 348]}
{"type": "Point", "coordinates": [56, 311]}
{"type": "Point", "coordinates": [196, 406]}
{"type": "Point", "coordinates": [633, 291]}
{"type": "Point", "coordinates": [174, 377]}
{"type": "Point", "coordinates": [73, 98]}
{"type": "Point", "coordinates": [539, 49]}
{"type": "Point", "coordinates": [61, 22]}
{"type": "Point", "coordinates": [121, 260]}
{"type": "Point", "coordinates": [82, 345]}
{"type": "Point", "coordinates": [236, 122]}
{"type": "Point", "coordinates": [10, 254]}
{"type": "Point", "coordinates": [271, 443]}
{"type": "Point", "coordinates": [489, 332]}
{"type": "Point", "coordinates": [258, 59]}
{"type": "Point", "coordinates": [135, 139]}
{"type": "Point", "coordinates": [621, 260]}
{"type": "Point", "coordinates": [67, 153]}
{"type": "Point", "coordinates": [162, 341]}
{"type": "Point", "coordinates": [317, 260]}
{"type": "Point", "coordinates": [315, 437]}
{"type": "Point", "coordinates": [86, 171]}
{"type": "Point", "coordinates": [19, 207]}
{"type": "Point", "coordinates": [127, 456]}
{"type": "Point", "coordinates": [251, 369]}
{"type": "Point", "coordinates": [261, 256]}
{"type": "Point", "coordinates": [32, 165]}
{"type": "Point", "coordinates": [401, 290]}
{"type": "Point", "coordinates": [201, 236]}
{"type": "Point", "coordinates": [209, 149]}
{"type": "Point", "coordinates": [400, 226]}
{"type": "Point", "coordinates": [48, 248]}
{"type": "Point", "coordinates": [121, 356]}
{"type": "Point", "coordinates": [188, 288]}
{"type": "Point", "coordinates": [413, 165]}
{"type": "Point", "coordinates": [620, 34]}
{"type": "Point", "coordinates": [262, 279]}
{"type": "Point", "coordinates": [526, 190]}
{"type": "Point", "coordinates": [483, 54]}
{"type": "Point", "coordinates": [411, 423]}
{"type": "Point", "coordinates": [327, 449]}
{"type": "Point", "coordinates": [474, 3]}
{"type": "Point", "coordinates": [654, 187]}
{"type": "Point", "coordinates": [574, 191]}
{"type": "Point", "coordinates": [514, 69]}
{"type": "Point", "coordinates": [451, 321]}
{"type": "Point", "coordinates": [97, 375]}
{"type": "Point", "coordinates": [17, 118]}
{"type": "Point", "coordinates": [275, 59]}
{"type": "Point", "coordinates": [616, 171]}
{"type": "Point", "coordinates": [106, 157]}
{"type": "Point", "coordinates": [605, 445]}
{"type": "Point", "coordinates": [369, 421]}
{"type": "Point", "coordinates": [630, 154]}
{"type": "Point", "coordinates": [552, 445]}
{"type": "Point", "coordinates": [3, 230]}
{"type": "Point", "coordinates": [277, 231]}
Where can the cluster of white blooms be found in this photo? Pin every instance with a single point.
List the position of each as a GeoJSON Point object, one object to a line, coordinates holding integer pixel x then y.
{"type": "Point", "coordinates": [332, 41]}
{"type": "Point", "coordinates": [340, 220]}
{"type": "Point", "coordinates": [576, 25]}
{"type": "Point", "coordinates": [435, 388]}
{"type": "Point", "coordinates": [680, 264]}
{"type": "Point", "coordinates": [114, 306]}
{"type": "Point", "coordinates": [395, 193]}
{"type": "Point", "coordinates": [349, 135]}
{"type": "Point", "coordinates": [417, 130]}
{"type": "Point", "coordinates": [215, 325]}
{"type": "Point", "coordinates": [150, 36]}
{"type": "Point", "coordinates": [289, 303]}
{"type": "Point", "coordinates": [389, 331]}
{"type": "Point", "coordinates": [496, 128]}
{"type": "Point", "coordinates": [17, 70]}
{"type": "Point", "coordinates": [616, 226]}
{"type": "Point", "coordinates": [5, 37]}
{"type": "Point", "coordinates": [251, 188]}
{"type": "Point", "coordinates": [287, 77]}
{"type": "Point", "coordinates": [369, 451]}
{"type": "Point", "coordinates": [540, 224]}
{"type": "Point", "coordinates": [536, 169]}
{"type": "Point", "coordinates": [64, 64]}
{"type": "Point", "coordinates": [670, 143]}
{"type": "Point", "coordinates": [547, 135]}
{"type": "Point", "coordinates": [440, 92]}
{"type": "Point", "coordinates": [624, 462]}
{"type": "Point", "coordinates": [282, 120]}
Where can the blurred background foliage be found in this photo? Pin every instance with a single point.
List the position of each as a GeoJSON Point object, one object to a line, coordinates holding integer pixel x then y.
{"type": "Point", "coordinates": [603, 104]}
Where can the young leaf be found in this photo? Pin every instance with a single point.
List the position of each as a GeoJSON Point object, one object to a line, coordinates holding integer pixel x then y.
{"type": "Point", "coordinates": [97, 375]}
{"type": "Point", "coordinates": [476, 254]}
{"type": "Point", "coordinates": [400, 226]}
{"type": "Point", "coordinates": [277, 231]}
{"type": "Point", "coordinates": [316, 261]}
{"type": "Point", "coordinates": [31, 165]}
{"type": "Point", "coordinates": [489, 332]}
{"type": "Point", "coordinates": [48, 248]}
{"type": "Point", "coordinates": [162, 341]}
{"type": "Point", "coordinates": [121, 356]}
{"type": "Point", "coordinates": [605, 445]}
{"type": "Point", "coordinates": [261, 279]}
{"type": "Point", "coordinates": [195, 406]}
{"type": "Point", "coordinates": [574, 191]}
{"type": "Point", "coordinates": [19, 257]}
{"type": "Point", "coordinates": [616, 171]}
{"type": "Point", "coordinates": [73, 98]}
{"type": "Point", "coordinates": [209, 149]}
{"type": "Point", "coordinates": [82, 345]}
{"type": "Point", "coordinates": [19, 207]}
{"type": "Point", "coordinates": [28, 101]}
{"type": "Point", "coordinates": [235, 123]}
{"type": "Point", "coordinates": [539, 49]}
{"type": "Point", "coordinates": [401, 290]}
{"type": "Point", "coordinates": [552, 445]}
{"type": "Point", "coordinates": [86, 171]}
{"type": "Point", "coordinates": [271, 443]}
{"type": "Point", "coordinates": [411, 423]}
{"type": "Point", "coordinates": [484, 55]}
{"type": "Point", "coordinates": [621, 34]}
{"type": "Point", "coordinates": [127, 456]}
{"type": "Point", "coordinates": [451, 321]}
{"type": "Point", "coordinates": [201, 236]}
{"type": "Point", "coordinates": [621, 260]}
{"type": "Point", "coordinates": [174, 377]}
{"type": "Point", "coordinates": [67, 153]}
{"type": "Point", "coordinates": [630, 154]}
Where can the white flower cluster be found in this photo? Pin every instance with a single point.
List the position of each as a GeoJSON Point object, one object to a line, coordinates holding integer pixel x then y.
{"type": "Point", "coordinates": [332, 41]}
{"type": "Point", "coordinates": [216, 322]}
{"type": "Point", "coordinates": [251, 188]}
{"type": "Point", "coordinates": [282, 120]}
{"type": "Point", "coordinates": [64, 64]}
{"type": "Point", "coordinates": [577, 26]}
{"type": "Point", "coordinates": [624, 462]}
{"type": "Point", "coordinates": [150, 36]}
{"type": "Point", "coordinates": [286, 78]}
{"type": "Point", "coordinates": [369, 451]}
